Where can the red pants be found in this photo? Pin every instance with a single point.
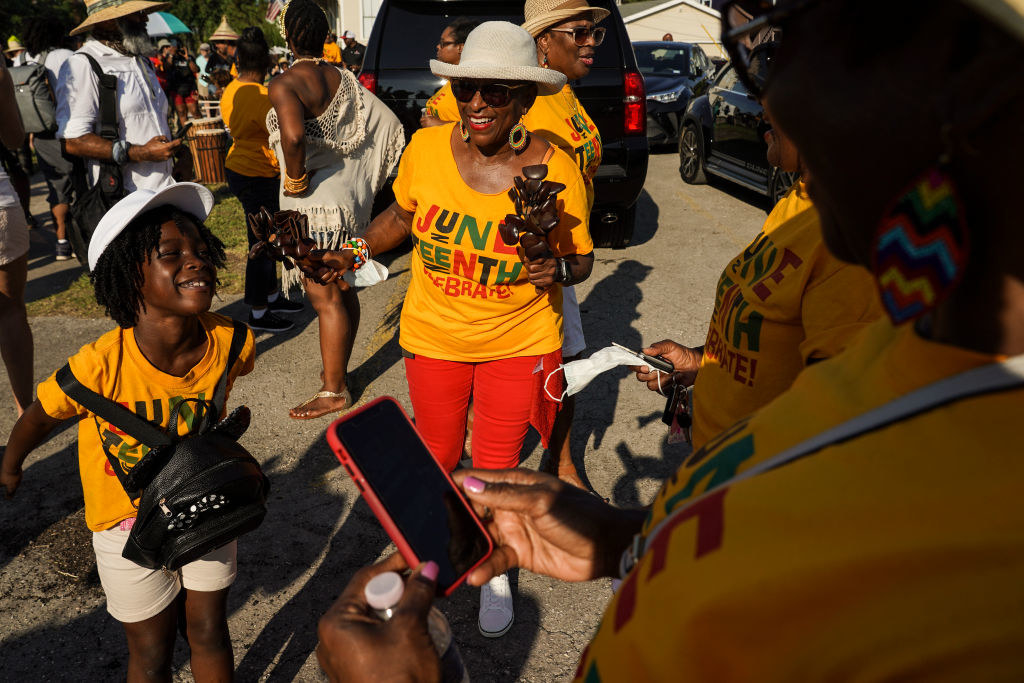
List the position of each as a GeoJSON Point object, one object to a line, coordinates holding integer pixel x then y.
{"type": "Point", "coordinates": [503, 393]}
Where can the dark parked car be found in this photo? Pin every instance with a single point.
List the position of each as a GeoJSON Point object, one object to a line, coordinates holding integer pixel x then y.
{"type": "Point", "coordinates": [396, 68]}
{"type": "Point", "coordinates": [723, 135]}
{"type": "Point", "coordinates": [673, 74]}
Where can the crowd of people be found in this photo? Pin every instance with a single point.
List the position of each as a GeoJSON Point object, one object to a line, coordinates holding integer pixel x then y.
{"type": "Point", "coordinates": [849, 509]}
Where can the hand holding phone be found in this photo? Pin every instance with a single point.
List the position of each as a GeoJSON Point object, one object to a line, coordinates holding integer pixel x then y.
{"type": "Point", "coordinates": [417, 503]}
{"type": "Point", "coordinates": [657, 362]}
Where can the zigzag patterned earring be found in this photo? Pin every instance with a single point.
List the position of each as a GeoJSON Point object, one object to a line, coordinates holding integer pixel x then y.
{"type": "Point", "coordinates": [463, 131]}
{"type": "Point", "coordinates": [921, 246]}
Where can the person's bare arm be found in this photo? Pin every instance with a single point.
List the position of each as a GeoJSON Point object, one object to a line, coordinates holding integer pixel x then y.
{"type": "Point", "coordinates": [12, 132]}
{"type": "Point", "coordinates": [92, 146]}
{"type": "Point", "coordinates": [29, 431]}
{"type": "Point", "coordinates": [290, 115]}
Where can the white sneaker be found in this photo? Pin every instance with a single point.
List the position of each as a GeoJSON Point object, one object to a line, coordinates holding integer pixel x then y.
{"type": "Point", "coordinates": [496, 607]}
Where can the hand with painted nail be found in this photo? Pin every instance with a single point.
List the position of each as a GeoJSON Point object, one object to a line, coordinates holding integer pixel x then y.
{"type": "Point", "coordinates": [542, 524]}
{"type": "Point", "coordinates": [357, 645]}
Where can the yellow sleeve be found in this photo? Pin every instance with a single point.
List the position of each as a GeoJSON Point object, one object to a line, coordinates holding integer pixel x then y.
{"type": "Point", "coordinates": [87, 368]}
{"type": "Point", "coordinates": [835, 308]}
{"type": "Point", "coordinates": [572, 235]}
{"type": "Point", "coordinates": [226, 103]}
{"type": "Point", "coordinates": [442, 104]}
{"type": "Point", "coordinates": [402, 186]}
{"type": "Point", "coordinates": [247, 360]}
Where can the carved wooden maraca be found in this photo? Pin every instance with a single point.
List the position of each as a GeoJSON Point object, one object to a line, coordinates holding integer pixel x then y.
{"type": "Point", "coordinates": [536, 204]}
{"type": "Point", "coordinates": [284, 236]}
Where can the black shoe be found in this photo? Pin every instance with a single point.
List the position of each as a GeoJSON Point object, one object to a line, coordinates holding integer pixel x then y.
{"type": "Point", "coordinates": [269, 323]}
{"type": "Point", "coordinates": [286, 306]}
{"type": "Point", "coordinates": [63, 251]}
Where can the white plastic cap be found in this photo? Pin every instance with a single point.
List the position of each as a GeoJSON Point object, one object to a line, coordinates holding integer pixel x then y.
{"type": "Point", "coordinates": [384, 590]}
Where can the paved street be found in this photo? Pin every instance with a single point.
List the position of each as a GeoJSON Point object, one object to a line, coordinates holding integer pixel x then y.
{"type": "Point", "coordinates": [318, 532]}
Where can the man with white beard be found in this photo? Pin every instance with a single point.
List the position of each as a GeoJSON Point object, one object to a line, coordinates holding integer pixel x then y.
{"type": "Point", "coordinates": [119, 43]}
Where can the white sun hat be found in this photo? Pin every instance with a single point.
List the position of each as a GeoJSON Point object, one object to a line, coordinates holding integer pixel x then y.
{"type": "Point", "coordinates": [540, 15]}
{"type": "Point", "coordinates": [502, 51]}
{"type": "Point", "coordinates": [189, 197]}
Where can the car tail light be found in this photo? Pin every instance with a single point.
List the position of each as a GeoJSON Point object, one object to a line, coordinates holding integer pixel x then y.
{"type": "Point", "coordinates": [636, 104]}
{"type": "Point", "coordinates": [369, 80]}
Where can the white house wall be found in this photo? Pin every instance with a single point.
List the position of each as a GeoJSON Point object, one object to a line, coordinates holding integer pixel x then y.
{"type": "Point", "coordinates": [687, 25]}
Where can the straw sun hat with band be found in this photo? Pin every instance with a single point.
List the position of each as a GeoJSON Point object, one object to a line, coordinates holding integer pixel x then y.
{"type": "Point", "coordinates": [500, 51]}
{"type": "Point", "coordinates": [1009, 14]}
{"type": "Point", "coordinates": [543, 14]}
{"type": "Point", "coordinates": [100, 11]}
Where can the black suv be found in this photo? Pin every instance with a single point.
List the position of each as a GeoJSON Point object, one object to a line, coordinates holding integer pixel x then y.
{"type": "Point", "coordinates": [723, 135]}
{"type": "Point", "coordinates": [396, 68]}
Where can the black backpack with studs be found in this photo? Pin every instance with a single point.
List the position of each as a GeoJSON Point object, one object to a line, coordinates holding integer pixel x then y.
{"type": "Point", "coordinates": [196, 492]}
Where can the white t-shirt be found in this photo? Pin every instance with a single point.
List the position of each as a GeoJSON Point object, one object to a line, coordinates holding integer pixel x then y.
{"type": "Point", "coordinates": [141, 109]}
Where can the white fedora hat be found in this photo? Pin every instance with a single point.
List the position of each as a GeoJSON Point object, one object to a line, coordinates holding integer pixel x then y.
{"type": "Point", "coordinates": [189, 197]}
{"type": "Point", "coordinates": [502, 51]}
{"type": "Point", "coordinates": [543, 14]}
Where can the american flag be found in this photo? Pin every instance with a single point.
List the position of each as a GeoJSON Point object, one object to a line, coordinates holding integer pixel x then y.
{"type": "Point", "coordinates": [273, 9]}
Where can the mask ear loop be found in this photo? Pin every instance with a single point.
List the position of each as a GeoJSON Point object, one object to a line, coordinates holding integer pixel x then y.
{"type": "Point", "coordinates": [546, 379]}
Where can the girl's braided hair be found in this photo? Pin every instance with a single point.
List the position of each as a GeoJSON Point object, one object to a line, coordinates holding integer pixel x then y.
{"type": "Point", "coordinates": [305, 26]}
{"type": "Point", "coordinates": [117, 278]}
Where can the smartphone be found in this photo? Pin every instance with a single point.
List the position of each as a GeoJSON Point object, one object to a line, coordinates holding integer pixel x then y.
{"type": "Point", "coordinates": [656, 362]}
{"type": "Point", "coordinates": [183, 131]}
{"type": "Point", "coordinates": [417, 503]}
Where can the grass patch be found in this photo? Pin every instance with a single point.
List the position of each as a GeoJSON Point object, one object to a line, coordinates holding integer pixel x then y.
{"type": "Point", "coordinates": [226, 221]}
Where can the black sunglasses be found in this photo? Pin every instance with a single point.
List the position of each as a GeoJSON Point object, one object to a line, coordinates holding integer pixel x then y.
{"type": "Point", "coordinates": [751, 31]}
{"type": "Point", "coordinates": [581, 34]}
{"type": "Point", "coordinates": [494, 94]}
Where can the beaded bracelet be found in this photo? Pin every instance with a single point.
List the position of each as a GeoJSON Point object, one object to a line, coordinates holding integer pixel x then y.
{"type": "Point", "coordinates": [362, 249]}
{"type": "Point", "coordinates": [296, 185]}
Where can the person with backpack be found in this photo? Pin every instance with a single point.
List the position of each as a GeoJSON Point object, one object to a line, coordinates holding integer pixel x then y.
{"type": "Point", "coordinates": [142, 148]}
{"type": "Point", "coordinates": [43, 39]}
{"type": "Point", "coordinates": [154, 269]}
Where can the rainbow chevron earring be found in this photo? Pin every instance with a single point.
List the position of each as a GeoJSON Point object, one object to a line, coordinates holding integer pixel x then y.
{"type": "Point", "coordinates": [921, 246]}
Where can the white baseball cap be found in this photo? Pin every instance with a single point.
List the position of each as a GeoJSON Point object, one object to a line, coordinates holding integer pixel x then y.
{"type": "Point", "coordinates": [348, 34]}
{"type": "Point", "coordinates": [189, 197]}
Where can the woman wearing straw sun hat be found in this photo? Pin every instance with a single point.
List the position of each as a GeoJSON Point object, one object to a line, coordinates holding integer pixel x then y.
{"type": "Point", "coordinates": [566, 35]}
{"type": "Point", "coordinates": [477, 319]}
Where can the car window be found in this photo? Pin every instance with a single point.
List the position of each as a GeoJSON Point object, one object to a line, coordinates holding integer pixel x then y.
{"type": "Point", "coordinates": [728, 80]}
{"type": "Point", "coordinates": [662, 61]}
{"type": "Point", "coordinates": [410, 36]}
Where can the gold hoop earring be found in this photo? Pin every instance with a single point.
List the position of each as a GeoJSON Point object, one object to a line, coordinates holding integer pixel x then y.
{"type": "Point", "coordinates": [463, 132]}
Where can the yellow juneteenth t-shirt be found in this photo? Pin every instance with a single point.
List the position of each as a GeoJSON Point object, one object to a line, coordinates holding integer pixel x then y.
{"type": "Point", "coordinates": [114, 367]}
{"type": "Point", "coordinates": [896, 555]}
{"type": "Point", "coordinates": [442, 104]}
{"type": "Point", "coordinates": [470, 299]}
{"type": "Point", "coordinates": [562, 120]}
{"type": "Point", "coordinates": [782, 302]}
{"type": "Point", "coordinates": [244, 107]}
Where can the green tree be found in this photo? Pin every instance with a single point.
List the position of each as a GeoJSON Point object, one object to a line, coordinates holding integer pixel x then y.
{"type": "Point", "coordinates": [204, 17]}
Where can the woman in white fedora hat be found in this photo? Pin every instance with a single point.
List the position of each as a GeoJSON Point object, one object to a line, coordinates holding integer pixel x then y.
{"type": "Point", "coordinates": [566, 35]}
{"type": "Point", "coordinates": [480, 319]}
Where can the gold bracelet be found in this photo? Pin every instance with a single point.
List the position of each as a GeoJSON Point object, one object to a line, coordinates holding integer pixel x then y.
{"type": "Point", "coordinates": [296, 185]}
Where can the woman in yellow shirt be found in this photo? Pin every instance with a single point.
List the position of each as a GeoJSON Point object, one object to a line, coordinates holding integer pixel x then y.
{"type": "Point", "coordinates": [252, 174]}
{"type": "Point", "coordinates": [480, 318]}
{"type": "Point", "coordinates": [781, 304]}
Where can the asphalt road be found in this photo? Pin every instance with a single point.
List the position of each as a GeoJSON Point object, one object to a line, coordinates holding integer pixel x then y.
{"type": "Point", "coordinates": [53, 625]}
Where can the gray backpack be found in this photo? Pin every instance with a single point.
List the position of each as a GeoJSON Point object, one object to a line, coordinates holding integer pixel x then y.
{"type": "Point", "coordinates": [34, 97]}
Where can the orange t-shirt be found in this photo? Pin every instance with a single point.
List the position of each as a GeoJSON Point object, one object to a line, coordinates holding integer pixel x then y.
{"type": "Point", "coordinates": [332, 53]}
{"type": "Point", "coordinates": [442, 104]}
{"type": "Point", "coordinates": [470, 299]}
{"type": "Point", "coordinates": [113, 366]}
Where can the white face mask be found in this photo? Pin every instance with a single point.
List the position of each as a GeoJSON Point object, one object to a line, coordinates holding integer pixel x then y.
{"type": "Point", "coordinates": [580, 373]}
{"type": "Point", "coordinates": [370, 273]}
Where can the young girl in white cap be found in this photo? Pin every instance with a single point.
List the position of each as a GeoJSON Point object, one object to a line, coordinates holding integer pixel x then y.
{"type": "Point", "coordinates": [154, 269]}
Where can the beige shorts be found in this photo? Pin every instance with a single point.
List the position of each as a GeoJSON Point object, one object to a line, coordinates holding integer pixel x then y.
{"type": "Point", "coordinates": [135, 593]}
{"type": "Point", "coordinates": [13, 234]}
